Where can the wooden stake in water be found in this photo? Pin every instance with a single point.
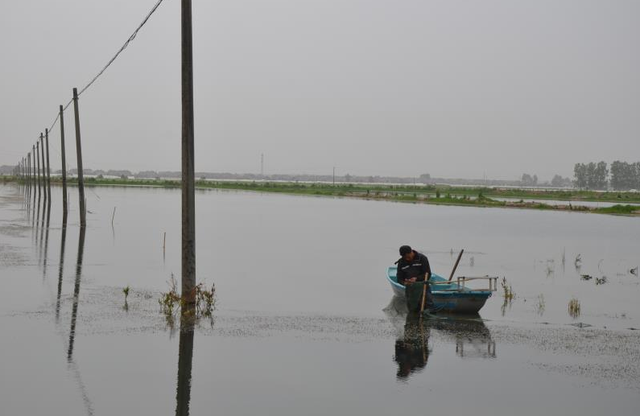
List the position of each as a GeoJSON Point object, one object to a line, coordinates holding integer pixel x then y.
{"type": "Point", "coordinates": [188, 171]}
{"type": "Point", "coordinates": [83, 212]}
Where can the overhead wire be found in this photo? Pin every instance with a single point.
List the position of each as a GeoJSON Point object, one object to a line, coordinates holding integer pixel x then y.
{"type": "Point", "coordinates": [132, 37]}
{"type": "Point", "coordinates": [124, 46]}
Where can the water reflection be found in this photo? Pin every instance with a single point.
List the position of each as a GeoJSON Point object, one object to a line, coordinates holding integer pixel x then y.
{"type": "Point", "coordinates": [469, 334]}
{"type": "Point", "coordinates": [185, 362]}
{"type": "Point", "coordinates": [46, 239]}
{"type": "Point", "coordinates": [412, 350]}
{"type": "Point", "coordinates": [63, 240]}
{"type": "Point", "coordinates": [76, 293]}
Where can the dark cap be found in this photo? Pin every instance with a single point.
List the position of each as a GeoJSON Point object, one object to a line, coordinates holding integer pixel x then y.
{"type": "Point", "coordinates": [404, 250]}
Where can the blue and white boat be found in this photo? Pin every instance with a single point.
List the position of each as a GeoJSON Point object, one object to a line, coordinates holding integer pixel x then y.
{"type": "Point", "coordinates": [451, 296]}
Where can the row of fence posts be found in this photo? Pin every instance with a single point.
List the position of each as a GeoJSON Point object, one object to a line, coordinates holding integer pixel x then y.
{"type": "Point", "coordinates": [32, 176]}
{"type": "Point", "coordinates": [38, 179]}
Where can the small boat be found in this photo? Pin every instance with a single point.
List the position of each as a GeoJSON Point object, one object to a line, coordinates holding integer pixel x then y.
{"type": "Point", "coordinates": [451, 296]}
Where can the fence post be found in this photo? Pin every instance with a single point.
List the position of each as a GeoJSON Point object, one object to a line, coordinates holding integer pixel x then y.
{"type": "Point", "coordinates": [38, 163]}
{"type": "Point", "coordinates": [64, 166]}
{"type": "Point", "coordinates": [83, 212]}
{"type": "Point", "coordinates": [46, 136]}
{"type": "Point", "coordinates": [44, 179]}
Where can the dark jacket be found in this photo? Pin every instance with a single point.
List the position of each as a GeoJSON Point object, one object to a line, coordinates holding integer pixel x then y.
{"type": "Point", "coordinates": [418, 268]}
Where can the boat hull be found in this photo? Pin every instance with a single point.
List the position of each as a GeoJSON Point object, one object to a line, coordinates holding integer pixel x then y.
{"type": "Point", "coordinates": [465, 301]}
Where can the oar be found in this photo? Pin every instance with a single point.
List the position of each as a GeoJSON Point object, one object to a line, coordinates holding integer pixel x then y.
{"type": "Point", "coordinates": [456, 266]}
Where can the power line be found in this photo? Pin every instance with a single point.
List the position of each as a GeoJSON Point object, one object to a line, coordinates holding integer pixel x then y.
{"type": "Point", "coordinates": [124, 46]}
{"type": "Point", "coordinates": [132, 37]}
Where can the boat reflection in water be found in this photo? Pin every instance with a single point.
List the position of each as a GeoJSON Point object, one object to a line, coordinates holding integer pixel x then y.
{"type": "Point", "coordinates": [469, 334]}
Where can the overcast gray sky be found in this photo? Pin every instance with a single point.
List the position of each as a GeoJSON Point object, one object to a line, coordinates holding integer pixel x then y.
{"type": "Point", "coordinates": [395, 87]}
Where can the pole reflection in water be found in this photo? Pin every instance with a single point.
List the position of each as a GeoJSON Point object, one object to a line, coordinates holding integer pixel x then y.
{"type": "Point", "coordinates": [185, 361]}
{"type": "Point", "coordinates": [36, 220]}
{"type": "Point", "coordinates": [76, 293]}
{"type": "Point", "coordinates": [63, 240]}
{"type": "Point", "coordinates": [46, 239]}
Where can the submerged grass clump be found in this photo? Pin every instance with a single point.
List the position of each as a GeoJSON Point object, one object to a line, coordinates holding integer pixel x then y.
{"type": "Point", "coordinates": [171, 302]}
{"type": "Point", "coordinates": [541, 305]}
{"type": "Point", "coordinates": [126, 295]}
{"type": "Point", "coordinates": [508, 292]}
{"type": "Point", "coordinates": [574, 308]}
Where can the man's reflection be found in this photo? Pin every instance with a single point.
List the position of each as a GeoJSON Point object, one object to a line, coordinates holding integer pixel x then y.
{"type": "Point", "coordinates": [412, 350]}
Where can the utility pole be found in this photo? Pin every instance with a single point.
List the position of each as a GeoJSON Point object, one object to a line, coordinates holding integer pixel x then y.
{"type": "Point", "coordinates": [46, 135]}
{"type": "Point", "coordinates": [38, 164]}
{"type": "Point", "coordinates": [188, 170]}
{"type": "Point", "coordinates": [64, 167]}
{"type": "Point", "coordinates": [35, 176]}
{"type": "Point", "coordinates": [83, 212]}
{"type": "Point", "coordinates": [44, 179]}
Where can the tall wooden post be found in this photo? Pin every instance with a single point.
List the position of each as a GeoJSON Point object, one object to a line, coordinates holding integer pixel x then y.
{"type": "Point", "coordinates": [33, 157]}
{"type": "Point", "coordinates": [32, 179]}
{"type": "Point", "coordinates": [64, 167]}
{"type": "Point", "coordinates": [44, 181]}
{"type": "Point", "coordinates": [83, 212]}
{"type": "Point", "coordinates": [188, 171]}
{"type": "Point", "coordinates": [29, 172]}
{"type": "Point", "coordinates": [46, 137]}
{"type": "Point", "coordinates": [38, 163]}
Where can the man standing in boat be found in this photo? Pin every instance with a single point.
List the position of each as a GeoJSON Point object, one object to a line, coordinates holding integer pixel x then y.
{"type": "Point", "coordinates": [414, 267]}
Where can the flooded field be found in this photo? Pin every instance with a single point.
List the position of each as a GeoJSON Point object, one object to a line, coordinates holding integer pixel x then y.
{"type": "Point", "coordinates": [305, 322]}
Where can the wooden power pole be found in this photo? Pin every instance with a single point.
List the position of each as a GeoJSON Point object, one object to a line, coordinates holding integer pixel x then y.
{"type": "Point", "coordinates": [83, 212]}
{"type": "Point", "coordinates": [64, 166]}
{"type": "Point", "coordinates": [188, 171]}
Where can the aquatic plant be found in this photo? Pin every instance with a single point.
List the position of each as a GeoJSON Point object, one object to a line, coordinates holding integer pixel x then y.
{"type": "Point", "coordinates": [578, 261]}
{"type": "Point", "coordinates": [171, 302]}
{"type": "Point", "coordinates": [574, 308]}
{"type": "Point", "coordinates": [601, 280]}
{"type": "Point", "coordinates": [508, 292]}
{"type": "Point", "coordinates": [634, 271]}
{"type": "Point", "coordinates": [586, 277]}
{"type": "Point", "coordinates": [541, 305]}
{"type": "Point", "coordinates": [550, 267]}
{"type": "Point", "coordinates": [126, 292]}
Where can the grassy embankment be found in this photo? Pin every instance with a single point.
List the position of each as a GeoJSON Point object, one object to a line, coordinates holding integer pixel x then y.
{"type": "Point", "coordinates": [431, 194]}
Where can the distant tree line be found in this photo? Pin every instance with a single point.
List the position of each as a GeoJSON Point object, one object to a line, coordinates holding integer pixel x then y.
{"type": "Point", "coordinates": [557, 181]}
{"type": "Point", "coordinates": [620, 176]}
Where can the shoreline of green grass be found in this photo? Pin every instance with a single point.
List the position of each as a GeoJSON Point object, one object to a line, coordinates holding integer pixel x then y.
{"type": "Point", "coordinates": [429, 194]}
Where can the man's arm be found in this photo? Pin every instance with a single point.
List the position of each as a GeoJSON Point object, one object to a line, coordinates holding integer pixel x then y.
{"type": "Point", "coordinates": [402, 275]}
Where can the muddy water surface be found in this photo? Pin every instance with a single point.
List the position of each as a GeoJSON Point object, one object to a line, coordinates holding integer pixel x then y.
{"type": "Point", "coordinates": [305, 321]}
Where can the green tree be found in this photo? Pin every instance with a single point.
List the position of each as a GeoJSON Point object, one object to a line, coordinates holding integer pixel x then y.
{"type": "Point", "coordinates": [599, 176]}
{"type": "Point", "coordinates": [558, 181]}
{"type": "Point", "coordinates": [580, 175]}
{"type": "Point", "coordinates": [528, 180]}
{"type": "Point", "coordinates": [623, 175]}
